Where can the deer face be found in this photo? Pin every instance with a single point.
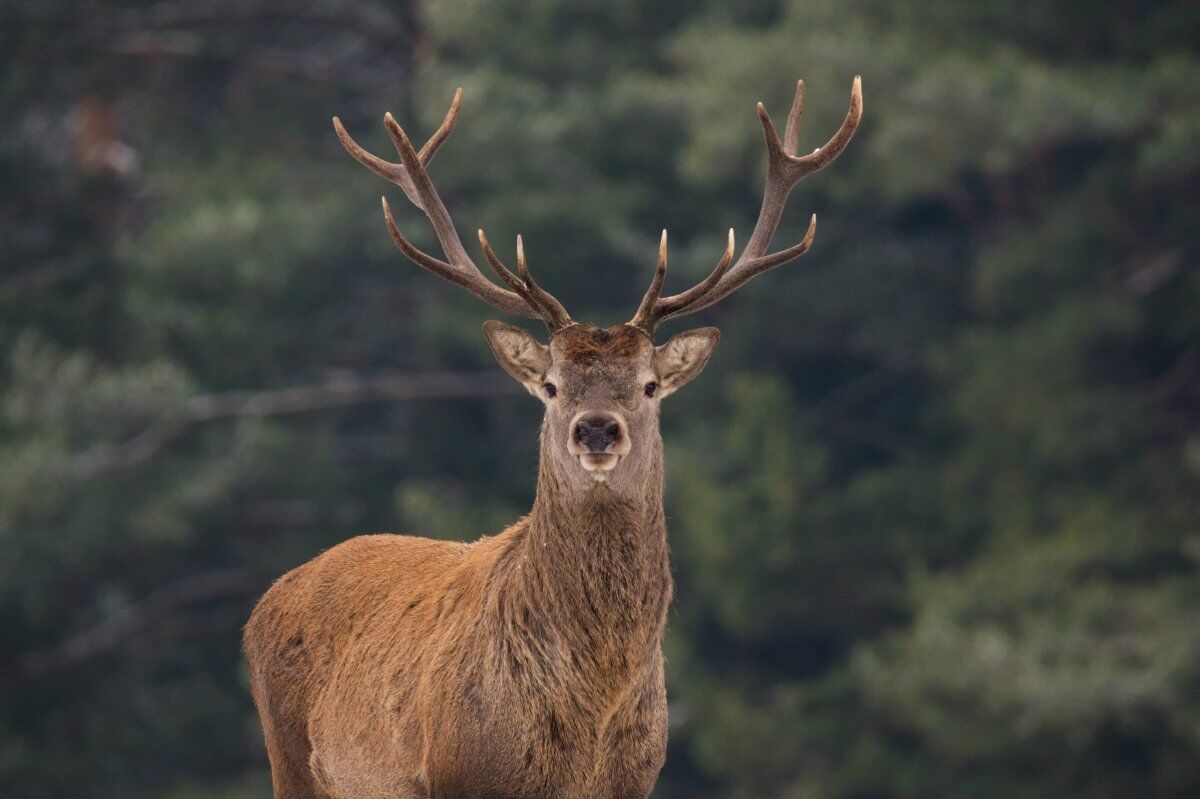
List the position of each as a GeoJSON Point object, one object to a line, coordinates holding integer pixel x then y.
{"type": "Point", "coordinates": [601, 388]}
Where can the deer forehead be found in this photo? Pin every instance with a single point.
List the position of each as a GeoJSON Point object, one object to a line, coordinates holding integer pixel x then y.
{"type": "Point", "coordinates": [592, 362]}
{"type": "Point", "coordinates": [587, 345]}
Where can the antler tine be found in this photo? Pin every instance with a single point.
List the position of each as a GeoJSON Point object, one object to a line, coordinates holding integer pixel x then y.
{"type": "Point", "coordinates": [748, 267]}
{"type": "Point", "coordinates": [654, 309]}
{"type": "Point", "coordinates": [548, 308]}
{"type": "Point", "coordinates": [784, 171]}
{"type": "Point", "coordinates": [395, 172]}
{"type": "Point", "coordinates": [557, 312]}
{"type": "Point", "coordinates": [680, 303]}
{"type": "Point", "coordinates": [410, 174]}
{"type": "Point", "coordinates": [388, 171]}
{"type": "Point", "coordinates": [791, 133]}
{"type": "Point", "coordinates": [439, 136]}
{"type": "Point", "coordinates": [504, 273]}
{"type": "Point", "coordinates": [644, 318]}
{"type": "Point", "coordinates": [422, 259]}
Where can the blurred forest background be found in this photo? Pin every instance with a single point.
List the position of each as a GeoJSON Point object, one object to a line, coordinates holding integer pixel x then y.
{"type": "Point", "coordinates": [934, 506]}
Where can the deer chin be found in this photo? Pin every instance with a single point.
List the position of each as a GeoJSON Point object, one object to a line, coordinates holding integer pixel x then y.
{"type": "Point", "coordinates": [599, 464]}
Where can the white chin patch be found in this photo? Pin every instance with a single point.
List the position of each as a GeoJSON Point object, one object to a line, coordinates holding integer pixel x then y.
{"type": "Point", "coordinates": [598, 465]}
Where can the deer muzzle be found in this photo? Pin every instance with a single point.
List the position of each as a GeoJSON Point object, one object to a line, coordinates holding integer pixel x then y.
{"type": "Point", "coordinates": [598, 439]}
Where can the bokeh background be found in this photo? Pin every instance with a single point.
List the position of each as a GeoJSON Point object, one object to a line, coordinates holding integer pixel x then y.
{"type": "Point", "coordinates": [934, 505]}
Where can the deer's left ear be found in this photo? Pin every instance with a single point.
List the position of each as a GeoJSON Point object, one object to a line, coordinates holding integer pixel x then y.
{"type": "Point", "coordinates": [683, 356]}
{"type": "Point", "coordinates": [521, 355]}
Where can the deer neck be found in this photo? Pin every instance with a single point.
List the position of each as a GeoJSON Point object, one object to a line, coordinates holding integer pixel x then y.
{"type": "Point", "coordinates": [597, 560]}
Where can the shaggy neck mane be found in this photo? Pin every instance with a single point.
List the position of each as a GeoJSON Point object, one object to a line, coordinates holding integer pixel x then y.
{"type": "Point", "coordinates": [591, 571]}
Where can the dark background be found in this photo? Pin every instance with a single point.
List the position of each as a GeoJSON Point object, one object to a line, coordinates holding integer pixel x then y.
{"type": "Point", "coordinates": [933, 505]}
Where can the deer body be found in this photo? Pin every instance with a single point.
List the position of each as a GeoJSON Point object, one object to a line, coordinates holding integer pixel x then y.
{"type": "Point", "coordinates": [487, 679]}
{"type": "Point", "coordinates": [528, 664]}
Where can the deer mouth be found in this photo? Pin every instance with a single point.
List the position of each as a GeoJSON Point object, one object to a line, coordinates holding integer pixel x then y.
{"type": "Point", "coordinates": [599, 464]}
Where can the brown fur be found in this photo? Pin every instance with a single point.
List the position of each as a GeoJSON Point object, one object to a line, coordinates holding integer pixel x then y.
{"type": "Point", "coordinates": [586, 343]}
{"type": "Point", "coordinates": [527, 664]}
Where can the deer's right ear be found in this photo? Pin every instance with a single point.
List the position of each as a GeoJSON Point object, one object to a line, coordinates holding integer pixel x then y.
{"type": "Point", "coordinates": [521, 355]}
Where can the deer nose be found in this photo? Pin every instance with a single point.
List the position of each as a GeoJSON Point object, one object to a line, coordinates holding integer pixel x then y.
{"type": "Point", "coordinates": [598, 432]}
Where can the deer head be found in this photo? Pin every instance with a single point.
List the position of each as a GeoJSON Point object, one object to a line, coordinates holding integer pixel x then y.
{"type": "Point", "coordinates": [601, 387]}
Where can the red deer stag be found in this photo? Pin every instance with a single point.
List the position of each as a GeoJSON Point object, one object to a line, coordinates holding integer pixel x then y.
{"type": "Point", "coordinates": [526, 664]}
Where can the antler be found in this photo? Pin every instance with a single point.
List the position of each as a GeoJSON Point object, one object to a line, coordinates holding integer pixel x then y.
{"type": "Point", "coordinates": [526, 299]}
{"type": "Point", "coordinates": [536, 297]}
{"type": "Point", "coordinates": [784, 171]}
{"type": "Point", "coordinates": [655, 309]}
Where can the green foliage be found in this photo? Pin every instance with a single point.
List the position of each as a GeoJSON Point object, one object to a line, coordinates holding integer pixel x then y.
{"type": "Point", "coordinates": [934, 505]}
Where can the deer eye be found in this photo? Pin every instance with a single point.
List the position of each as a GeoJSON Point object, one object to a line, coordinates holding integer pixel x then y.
{"type": "Point", "coordinates": [550, 389]}
{"type": "Point", "coordinates": [651, 388]}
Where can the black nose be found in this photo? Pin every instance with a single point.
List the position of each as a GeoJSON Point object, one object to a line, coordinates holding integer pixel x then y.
{"type": "Point", "coordinates": [597, 433]}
